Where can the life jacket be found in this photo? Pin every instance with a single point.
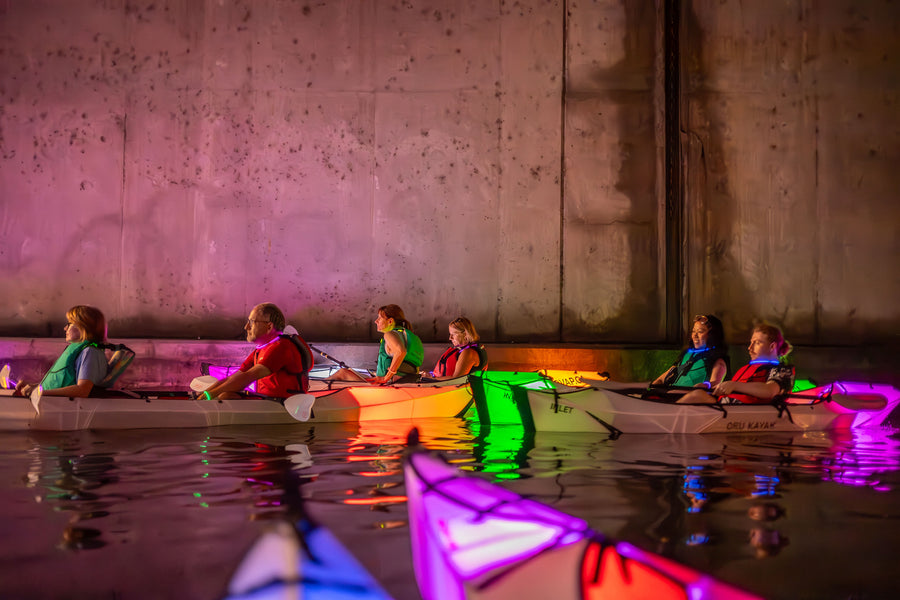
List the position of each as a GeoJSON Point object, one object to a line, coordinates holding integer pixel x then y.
{"type": "Point", "coordinates": [64, 371]}
{"type": "Point", "coordinates": [306, 359]}
{"type": "Point", "coordinates": [446, 364]}
{"type": "Point", "coordinates": [415, 354]}
{"type": "Point", "coordinates": [694, 366]}
{"type": "Point", "coordinates": [752, 372]}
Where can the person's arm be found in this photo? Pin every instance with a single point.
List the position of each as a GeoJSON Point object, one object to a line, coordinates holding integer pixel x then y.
{"type": "Point", "coordinates": [468, 358]}
{"type": "Point", "coordinates": [238, 381]}
{"type": "Point", "coordinates": [659, 380]}
{"type": "Point", "coordinates": [717, 375]}
{"type": "Point", "coordinates": [396, 349]}
{"type": "Point", "coordinates": [82, 389]}
{"type": "Point", "coordinates": [758, 389]}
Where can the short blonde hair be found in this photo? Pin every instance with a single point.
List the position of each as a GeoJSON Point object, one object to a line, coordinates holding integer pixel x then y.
{"type": "Point", "coordinates": [465, 325]}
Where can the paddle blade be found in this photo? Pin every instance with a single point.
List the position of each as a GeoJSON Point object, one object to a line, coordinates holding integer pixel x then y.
{"type": "Point", "coordinates": [300, 406]}
{"type": "Point", "coordinates": [861, 401]}
{"type": "Point", "coordinates": [202, 383]}
{"type": "Point", "coordinates": [36, 394]}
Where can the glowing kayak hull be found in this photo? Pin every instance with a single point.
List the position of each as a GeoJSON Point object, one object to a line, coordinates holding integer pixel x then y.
{"type": "Point", "coordinates": [472, 539]}
{"type": "Point", "coordinates": [607, 411]}
{"type": "Point", "coordinates": [364, 402]}
{"type": "Point", "coordinates": [497, 394]}
{"type": "Point", "coordinates": [348, 402]}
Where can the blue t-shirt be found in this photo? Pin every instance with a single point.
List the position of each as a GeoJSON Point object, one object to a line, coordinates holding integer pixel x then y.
{"type": "Point", "coordinates": [91, 364]}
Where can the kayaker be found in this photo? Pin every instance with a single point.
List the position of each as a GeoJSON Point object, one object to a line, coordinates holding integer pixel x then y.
{"type": "Point", "coordinates": [400, 352]}
{"type": "Point", "coordinates": [276, 364]}
{"type": "Point", "coordinates": [464, 355]}
{"type": "Point", "coordinates": [83, 364]}
{"type": "Point", "coordinates": [762, 380]}
{"type": "Point", "coordinates": [704, 362]}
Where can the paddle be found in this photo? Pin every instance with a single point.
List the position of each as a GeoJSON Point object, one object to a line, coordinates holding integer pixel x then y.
{"type": "Point", "coordinates": [36, 394]}
{"type": "Point", "coordinates": [202, 383]}
{"type": "Point", "coordinates": [299, 406]}
{"type": "Point", "coordinates": [4, 379]}
{"type": "Point", "coordinates": [868, 401]}
{"type": "Point", "coordinates": [339, 363]}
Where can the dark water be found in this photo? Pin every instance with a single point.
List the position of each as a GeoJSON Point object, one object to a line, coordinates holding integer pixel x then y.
{"type": "Point", "coordinates": [167, 514]}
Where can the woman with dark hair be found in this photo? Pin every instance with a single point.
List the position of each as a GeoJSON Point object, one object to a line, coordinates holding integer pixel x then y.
{"type": "Point", "coordinates": [764, 379]}
{"type": "Point", "coordinates": [465, 353]}
{"type": "Point", "coordinates": [704, 362]}
{"type": "Point", "coordinates": [400, 351]}
{"type": "Point", "coordinates": [83, 364]}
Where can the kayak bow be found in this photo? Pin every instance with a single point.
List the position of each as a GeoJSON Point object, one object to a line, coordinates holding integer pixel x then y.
{"type": "Point", "coordinates": [473, 539]}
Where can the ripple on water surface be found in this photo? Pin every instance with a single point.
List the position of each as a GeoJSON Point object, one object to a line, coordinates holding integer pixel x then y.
{"type": "Point", "coordinates": [169, 513]}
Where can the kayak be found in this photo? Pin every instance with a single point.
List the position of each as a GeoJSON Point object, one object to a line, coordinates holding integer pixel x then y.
{"type": "Point", "coordinates": [608, 407]}
{"type": "Point", "coordinates": [307, 562]}
{"type": "Point", "coordinates": [496, 393]}
{"type": "Point", "coordinates": [326, 402]}
{"type": "Point", "coordinates": [474, 539]}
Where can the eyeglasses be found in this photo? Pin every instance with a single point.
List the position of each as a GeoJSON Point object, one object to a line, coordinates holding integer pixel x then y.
{"type": "Point", "coordinates": [701, 319]}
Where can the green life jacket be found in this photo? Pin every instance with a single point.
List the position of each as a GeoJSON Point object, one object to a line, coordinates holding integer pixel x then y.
{"type": "Point", "coordinates": [694, 367]}
{"type": "Point", "coordinates": [64, 371]}
{"type": "Point", "coordinates": [415, 354]}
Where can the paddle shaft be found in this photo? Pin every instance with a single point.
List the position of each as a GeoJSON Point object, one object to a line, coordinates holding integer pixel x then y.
{"type": "Point", "coordinates": [329, 357]}
{"type": "Point", "coordinates": [868, 401]}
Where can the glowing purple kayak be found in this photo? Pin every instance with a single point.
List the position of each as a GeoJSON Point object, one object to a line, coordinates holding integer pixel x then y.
{"type": "Point", "coordinates": [473, 539]}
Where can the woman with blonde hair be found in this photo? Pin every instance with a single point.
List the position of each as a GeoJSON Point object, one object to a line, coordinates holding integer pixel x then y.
{"type": "Point", "coordinates": [465, 354]}
{"type": "Point", "coordinates": [83, 364]}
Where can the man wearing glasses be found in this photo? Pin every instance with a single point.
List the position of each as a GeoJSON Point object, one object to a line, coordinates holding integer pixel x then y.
{"type": "Point", "coordinates": [277, 364]}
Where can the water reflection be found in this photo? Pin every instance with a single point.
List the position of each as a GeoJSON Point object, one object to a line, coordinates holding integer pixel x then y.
{"type": "Point", "coordinates": [185, 504]}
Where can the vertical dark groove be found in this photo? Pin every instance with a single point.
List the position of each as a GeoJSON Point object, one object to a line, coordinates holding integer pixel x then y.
{"type": "Point", "coordinates": [562, 163]}
{"type": "Point", "coordinates": [674, 189]}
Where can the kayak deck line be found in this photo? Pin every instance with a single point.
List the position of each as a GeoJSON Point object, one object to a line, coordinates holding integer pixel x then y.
{"type": "Point", "coordinates": [359, 402]}
{"type": "Point", "coordinates": [842, 405]}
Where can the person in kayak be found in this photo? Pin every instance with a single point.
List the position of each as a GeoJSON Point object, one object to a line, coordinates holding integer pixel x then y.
{"type": "Point", "coordinates": [400, 352]}
{"type": "Point", "coordinates": [83, 364]}
{"type": "Point", "coordinates": [765, 378]}
{"type": "Point", "coordinates": [704, 362]}
{"type": "Point", "coordinates": [276, 364]}
{"type": "Point", "coordinates": [464, 355]}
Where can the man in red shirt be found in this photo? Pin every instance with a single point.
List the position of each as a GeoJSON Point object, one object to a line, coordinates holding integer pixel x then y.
{"type": "Point", "coordinates": [276, 364]}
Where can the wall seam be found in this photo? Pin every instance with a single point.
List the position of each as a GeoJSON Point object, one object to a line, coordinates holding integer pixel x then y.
{"type": "Point", "coordinates": [562, 166]}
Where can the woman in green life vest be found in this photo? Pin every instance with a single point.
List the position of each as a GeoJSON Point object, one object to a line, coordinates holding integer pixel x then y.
{"type": "Point", "coordinates": [704, 362]}
{"type": "Point", "coordinates": [82, 364]}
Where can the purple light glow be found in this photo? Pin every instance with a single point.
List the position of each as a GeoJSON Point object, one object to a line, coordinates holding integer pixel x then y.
{"type": "Point", "coordinates": [469, 535]}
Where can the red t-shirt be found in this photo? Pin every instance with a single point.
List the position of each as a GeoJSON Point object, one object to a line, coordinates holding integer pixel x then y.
{"type": "Point", "coordinates": [282, 358]}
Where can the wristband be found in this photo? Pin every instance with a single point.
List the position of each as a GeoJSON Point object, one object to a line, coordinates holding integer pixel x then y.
{"type": "Point", "coordinates": [207, 396]}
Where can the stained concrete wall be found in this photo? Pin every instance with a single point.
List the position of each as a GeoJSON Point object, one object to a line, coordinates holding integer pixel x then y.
{"type": "Point", "coordinates": [176, 162]}
{"type": "Point", "coordinates": [792, 138]}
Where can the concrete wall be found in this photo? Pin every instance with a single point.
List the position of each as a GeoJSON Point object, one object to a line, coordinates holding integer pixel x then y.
{"type": "Point", "coordinates": [175, 162]}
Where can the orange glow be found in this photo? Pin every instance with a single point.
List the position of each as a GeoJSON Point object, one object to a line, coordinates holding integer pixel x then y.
{"type": "Point", "coordinates": [375, 501]}
{"type": "Point", "coordinates": [377, 473]}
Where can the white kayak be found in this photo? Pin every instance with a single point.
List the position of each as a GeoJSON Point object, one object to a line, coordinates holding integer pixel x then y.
{"type": "Point", "coordinates": [337, 403]}
{"type": "Point", "coordinates": [842, 405]}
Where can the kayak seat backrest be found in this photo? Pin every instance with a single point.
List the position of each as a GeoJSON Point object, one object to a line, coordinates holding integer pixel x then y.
{"type": "Point", "coordinates": [306, 358]}
{"type": "Point", "coordinates": [119, 361]}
